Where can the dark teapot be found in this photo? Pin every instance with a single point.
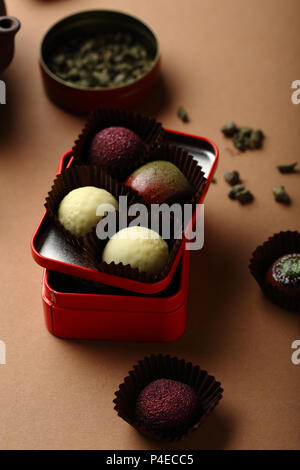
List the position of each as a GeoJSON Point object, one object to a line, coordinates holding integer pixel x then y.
{"type": "Point", "coordinates": [9, 26]}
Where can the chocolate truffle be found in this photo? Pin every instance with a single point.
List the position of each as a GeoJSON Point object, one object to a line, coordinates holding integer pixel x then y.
{"type": "Point", "coordinates": [166, 406]}
{"type": "Point", "coordinates": [140, 247]}
{"type": "Point", "coordinates": [160, 181]}
{"type": "Point", "coordinates": [114, 148]}
{"type": "Point", "coordinates": [77, 211]}
{"type": "Point", "coordinates": [284, 273]}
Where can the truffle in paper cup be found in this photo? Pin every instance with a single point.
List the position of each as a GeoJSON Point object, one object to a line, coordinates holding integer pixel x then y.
{"type": "Point", "coordinates": [264, 256]}
{"type": "Point", "coordinates": [94, 247]}
{"type": "Point", "coordinates": [125, 137]}
{"type": "Point", "coordinates": [78, 177]}
{"type": "Point", "coordinates": [161, 373]}
{"type": "Point", "coordinates": [191, 171]}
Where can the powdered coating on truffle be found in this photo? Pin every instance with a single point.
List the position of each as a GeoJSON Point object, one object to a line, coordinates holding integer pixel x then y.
{"type": "Point", "coordinates": [115, 148]}
{"type": "Point", "coordinates": [165, 406]}
{"type": "Point", "coordinates": [284, 273]}
{"type": "Point", "coordinates": [140, 247]}
{"type": "Point", "coordinates": [77, 212]}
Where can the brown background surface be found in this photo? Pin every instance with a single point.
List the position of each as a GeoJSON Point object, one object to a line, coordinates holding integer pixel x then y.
{"type": "Point", "coordinates": [221, 60]}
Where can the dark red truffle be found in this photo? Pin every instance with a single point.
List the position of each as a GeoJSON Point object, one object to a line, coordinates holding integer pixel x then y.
{"type": "Point", "coordinates": [166, 406]}
{"type": "Point", "coordinates": [115, 148]}
{"type": "Point", "coordinates": [284, 273]}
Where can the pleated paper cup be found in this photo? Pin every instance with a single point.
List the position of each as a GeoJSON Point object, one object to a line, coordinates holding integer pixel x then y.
{"type": "Point", "coordinates": [93, 250]}
{"type": "Point", "coordinates": [154, 367]}
{"type": "Point", "coordinates": [148, 129]}
{"type": "Point", "coordinates": [264, 256]}
{"type": "Point", "coordinates": [186, 164]}
{"type": "Point", "coordinates": [77, 177]}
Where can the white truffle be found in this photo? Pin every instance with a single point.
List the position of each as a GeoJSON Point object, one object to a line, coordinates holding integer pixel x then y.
{"type": "Point", "coordinates": [140, 247]}
{"type": "Point", "coordinates": [77, 211]}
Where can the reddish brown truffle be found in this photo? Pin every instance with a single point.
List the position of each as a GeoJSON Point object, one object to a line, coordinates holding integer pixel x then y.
{"type": "Point", "coordinates": [284, 273]}
{"type": "Point", "coordinates": [166, 406]}
{"type": "Point", "coordinates": [160, 181]}
{"type": "Point", "coordinates": [115, 148]}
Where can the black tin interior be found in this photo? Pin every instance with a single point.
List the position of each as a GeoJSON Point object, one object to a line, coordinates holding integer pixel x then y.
{"type": "Point", "coordinates": [60, 282]}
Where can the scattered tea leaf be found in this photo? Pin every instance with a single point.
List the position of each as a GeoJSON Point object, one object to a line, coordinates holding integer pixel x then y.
{"type": "Point", "coordinates": [229, 129]}
{"type": "Point", "coordinates": [243, 137]}
{"type": "Point", "coordinates": [244, 196]}
{"type": "Point", "coordinates": [256, 139]}
{"type": "Point", "coordinates": [281, 195]}
{"type": "Point", "coordinates": [287, 168]}
{"type": "Point", "coordinates": [232, 177]}
{"type": "Point", "coordinates": [245, 131]}
{"type": "Point", "coordinates": [235, 190]}
{"type": "Point", "coordinates": [182, 114]}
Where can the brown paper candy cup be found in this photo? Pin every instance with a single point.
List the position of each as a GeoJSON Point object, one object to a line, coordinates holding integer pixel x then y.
{"type": "Point", "coordinates": [93, 248]}
{"type": "Point", "coordinates": [148, 129]}
{"type": "Point", "coordinates": [184, 161]}
{"type": "Point", "coordinates": [208, 391]}
{"type": "Point", "coordinates": [264, 256]}
{"type": "Point", "coordinates": [76, 177]}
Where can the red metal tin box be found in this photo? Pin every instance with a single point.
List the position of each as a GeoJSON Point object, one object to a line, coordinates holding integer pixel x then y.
{"type": "Point", "coordinates": [121, 316]}
{"type": "Point", "coordinates": [50, 250]}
